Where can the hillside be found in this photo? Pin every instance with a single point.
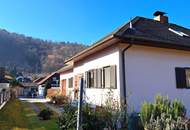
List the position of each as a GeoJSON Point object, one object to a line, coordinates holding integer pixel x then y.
{"type": "Point", "coordinates": [27, 54]}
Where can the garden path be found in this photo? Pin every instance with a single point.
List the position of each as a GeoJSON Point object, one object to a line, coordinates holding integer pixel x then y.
{"type": "Point", "coordinates": [54, 108]}
{"type": "Point", "coordinates": [34, 107]}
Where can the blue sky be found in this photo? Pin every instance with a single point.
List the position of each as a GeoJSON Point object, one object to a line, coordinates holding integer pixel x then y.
{"type": "Point", "coordinates": [83, 21]}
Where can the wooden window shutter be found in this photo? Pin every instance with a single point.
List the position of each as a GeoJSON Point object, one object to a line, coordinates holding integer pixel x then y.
{"type": "Point", "coordinates": [87, 79]}
{"type": "Point", "coordinates": [113, 77]}
{"type": "Point", "coordinates": [91, 78]}
{"type": "Point", "coordinates": [70, 82]}
{"type": "Point", "coordinates": [95, 78]}
{"type": "Point", "coordinates": [180, 77]}
{"type": "Point", "coordinates": [99, 78]}
{"type": "Point", "coordinates": [103, 78]}
{"type": "Point", "coordinates": [107, 74]}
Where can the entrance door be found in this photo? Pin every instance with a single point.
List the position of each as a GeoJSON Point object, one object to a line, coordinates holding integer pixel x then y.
{"type": "Point", "coordinates": [63, 84]}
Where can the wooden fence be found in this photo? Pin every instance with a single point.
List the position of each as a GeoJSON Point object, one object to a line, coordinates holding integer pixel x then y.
{"type": "Point", "coordinates": [4, 94]}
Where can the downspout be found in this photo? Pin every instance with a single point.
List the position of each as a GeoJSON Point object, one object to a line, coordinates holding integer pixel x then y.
{"type": "Point", "coordinates": [124, 73]}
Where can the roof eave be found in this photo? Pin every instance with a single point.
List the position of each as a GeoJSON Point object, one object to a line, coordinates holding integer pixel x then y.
{"type": "Point", "coordinates": [90, 48]}
{"type": "Point", "coordinates": [148, 42]}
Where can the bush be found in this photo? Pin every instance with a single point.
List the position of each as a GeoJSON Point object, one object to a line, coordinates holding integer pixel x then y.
{"type": "Point", "coordinates": [163, 114]}
{"type": "Point", "coordinates": [14, 82]}
{"type": "Point", "coordinates": [93, 119]}
{"type": "Point", "coordinates": [45, 114]}
{"type": "Point", "coordinates": [165, 122]}
{"type": "Point", "coordinates": [115, 113]}
{"type": "Point", "coordinates": [110, 116]}
{"type": "Point", "coordinates": [134, 122]}
{"type": "Point", "coordinates": [68, 119]}
{"type": "Point", "coordinates": [59, 100]}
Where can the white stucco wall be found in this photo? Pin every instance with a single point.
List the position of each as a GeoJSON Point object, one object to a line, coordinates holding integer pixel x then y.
{"type": "Point", "coordinates": [109, 56]}
{"type": "Point", "coordinates": [151, 71]}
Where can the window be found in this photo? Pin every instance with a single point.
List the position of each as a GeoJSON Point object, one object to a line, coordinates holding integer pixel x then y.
{"type": "Point", "coordinates": [54, 78]}
{"type": "Point", "coordinates": [91, 78]}
{"type": "Point", "coordinates": [182, 77]}
{"type": "Point", "coordinates": [55, 83]}
{"type": "Point", "coordinates": [70, 82]}
{"type": "Point", "coordinates": [101, 78]}
{"type": "Point", "coordinates": [107, 77]}
{"type": "Point", "coordinates": [109, 74]}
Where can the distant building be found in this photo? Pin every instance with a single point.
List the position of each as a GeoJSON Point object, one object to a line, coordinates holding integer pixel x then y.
{"type": "Point", "coordinates": [51, 82]}
{"type": "Point", "coordinates": [23, 79]}
{"type": "Point", "coordinates": [29, 90]}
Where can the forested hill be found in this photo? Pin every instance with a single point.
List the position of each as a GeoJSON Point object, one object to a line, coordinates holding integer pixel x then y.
{"type": "Point", "coordinates": [27, 54]}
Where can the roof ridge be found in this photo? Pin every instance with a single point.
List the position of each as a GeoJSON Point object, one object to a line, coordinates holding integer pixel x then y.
{"type": "Point", "coordinates": [133, 21]}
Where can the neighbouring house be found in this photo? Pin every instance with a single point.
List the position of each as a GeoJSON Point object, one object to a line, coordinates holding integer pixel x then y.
{"type": "Point", "coordinates": [38, 79]}
{"type": "Point", "coordinates": [29, 89]}
{"type": "Point", "coordinates": [18, 91]}
{"type": "Point", "coordinates": [48, 85]}
{"type": "Point", "coordinates": [23, 79]}
{"type": "Point", "coordinates": [139, 60]}
{"type": "Point", "coordinates": [67, 85]}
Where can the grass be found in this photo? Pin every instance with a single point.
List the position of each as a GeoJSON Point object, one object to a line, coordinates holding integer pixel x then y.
{"type": "Point", "coordinates": [18, 115]}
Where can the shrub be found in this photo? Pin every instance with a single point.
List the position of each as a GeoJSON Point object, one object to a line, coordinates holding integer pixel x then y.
{"type": "Point", "coordinates": [163, 114]}
{"type": "Point", "coordinates": [178, 109]}
{"type": "Point", "coordinates": [93, 119]}
{"type": "Point", "coordinates": [115, 113]}
{"type": "Point", "coordinates": [68, 119]}
{"type": "Point", "coordinates": [59, 99]}
{"type": "Point", "coordinates": [134, 122]}
{"type": "Point", "coordinates": [110, 116]}
{"type": "Point", "coordinates": [45, 114]}
{"type": "Point", "coordinates": [146, 113]}
{"type": "Point", "coordinates": [165, 122]}
{"type": "Point", "coordinates": [14, 82]}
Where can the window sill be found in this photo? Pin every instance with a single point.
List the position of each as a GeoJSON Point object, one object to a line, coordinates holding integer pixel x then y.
{"type": "Point", "coordinates": [55, 87]}
{"type": "Point", "coordinates": [103, 88]}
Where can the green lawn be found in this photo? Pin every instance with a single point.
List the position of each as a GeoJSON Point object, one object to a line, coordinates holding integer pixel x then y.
{"type": "Point", "coordinates": [18, 115]}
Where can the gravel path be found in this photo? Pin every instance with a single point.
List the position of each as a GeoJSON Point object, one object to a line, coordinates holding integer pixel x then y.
{"type": "Point", "coordinates": [35, 107]}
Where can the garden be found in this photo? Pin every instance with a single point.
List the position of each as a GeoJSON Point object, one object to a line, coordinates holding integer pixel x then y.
{"type": "Point", "coordinates": [162, 114]}
{"type": "Point", "coordinates": [17, 115]}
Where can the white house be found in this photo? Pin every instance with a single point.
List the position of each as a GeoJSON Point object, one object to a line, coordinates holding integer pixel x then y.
{"type": "Point", "coordinates": [141, 59]}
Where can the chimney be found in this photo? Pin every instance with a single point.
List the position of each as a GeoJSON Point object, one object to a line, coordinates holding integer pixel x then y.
{"type": "Point", "coordinates": [160, 16]}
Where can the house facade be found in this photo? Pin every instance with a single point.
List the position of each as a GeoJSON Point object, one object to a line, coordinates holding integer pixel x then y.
{"type": "Point", "coordinates": [51, 82]}
{"type": "Point", "coordinates": [141, 59]}
{"type": "Point", "coordinates": [101, 73]}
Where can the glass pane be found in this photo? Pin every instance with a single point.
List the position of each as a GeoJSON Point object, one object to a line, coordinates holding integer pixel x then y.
{"type": "Point", "coordinates": [107, 77]}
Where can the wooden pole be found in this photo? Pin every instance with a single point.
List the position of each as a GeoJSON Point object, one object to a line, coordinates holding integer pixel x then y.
{"type": "Point", "coordinates": [80, 100]}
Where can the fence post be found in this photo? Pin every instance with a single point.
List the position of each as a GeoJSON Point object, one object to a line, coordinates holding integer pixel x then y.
{"type": "Point", "coordinates": [0, 98]}
{"type": "Point", "coordinates": [79, 115]}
